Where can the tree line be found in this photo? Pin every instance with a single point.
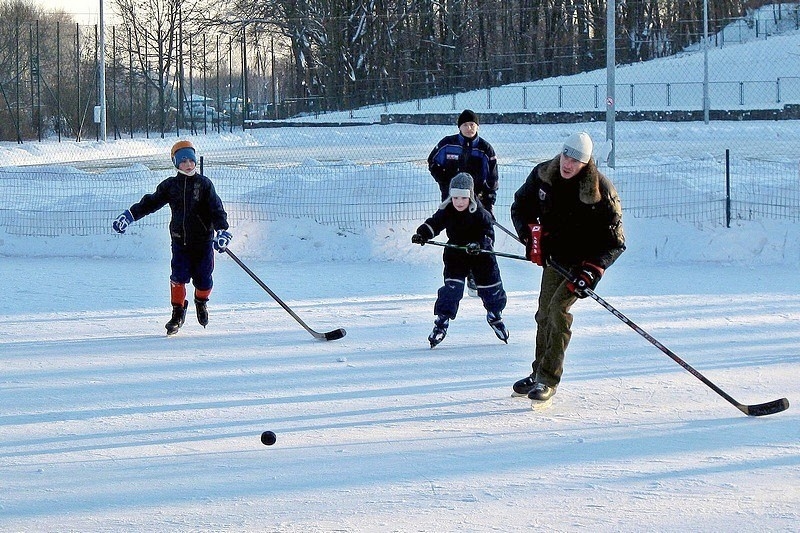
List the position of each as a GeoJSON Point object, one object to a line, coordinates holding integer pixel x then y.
{"type": "Point", "coordinates": [275, 58]}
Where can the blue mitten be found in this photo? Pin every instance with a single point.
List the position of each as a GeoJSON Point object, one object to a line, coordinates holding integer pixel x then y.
{"type": "Point", "coordinates": [122, 222]}
{"type": "Point", "coordinates": [222, 240]}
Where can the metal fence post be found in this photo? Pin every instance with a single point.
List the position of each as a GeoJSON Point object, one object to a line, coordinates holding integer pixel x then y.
{"type": "Point", "coordinates": [727, 188]}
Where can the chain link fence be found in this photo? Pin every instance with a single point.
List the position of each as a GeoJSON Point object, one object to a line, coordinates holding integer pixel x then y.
{"type": "Point", "coordinates": [48, 203]}
{"type": "Point", "coordinates": [315, 167]}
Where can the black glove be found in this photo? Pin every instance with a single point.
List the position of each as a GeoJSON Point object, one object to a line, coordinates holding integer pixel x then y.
{"type": "Point", "coordinates": [586, 277]}
{"type": "Point", "coordinates": [424, 234]}
{"type": "Point", "coordinates": [473, 248]}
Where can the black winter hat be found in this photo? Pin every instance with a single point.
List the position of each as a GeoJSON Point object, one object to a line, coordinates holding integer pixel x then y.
{"type": "Point", "coordinates": [467, 115]}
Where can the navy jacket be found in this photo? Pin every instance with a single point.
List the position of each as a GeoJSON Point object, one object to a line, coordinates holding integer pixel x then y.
{"type": "Point", "coordinates": [463, 227]}
{"type": "Point", "coordinates": [475, 156]}
{"type": "Point", "coordinates": [197, 211]}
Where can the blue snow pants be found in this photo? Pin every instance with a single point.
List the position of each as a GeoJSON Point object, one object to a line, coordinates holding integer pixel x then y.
{"type": "Point", "coordinates": [193, 262]}
{"type": "Point", "coordinates": [457, 264]}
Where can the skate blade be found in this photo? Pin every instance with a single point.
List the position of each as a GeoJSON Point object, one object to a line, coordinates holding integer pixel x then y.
{"type": "Point", "coordinates": [500, 335]}
{"type": "Point", "coordinates": [537, 405]}
{"type": "Point", "coordinates": [435, 340]}
{"type": "Point", "coordinates": [174, 331]}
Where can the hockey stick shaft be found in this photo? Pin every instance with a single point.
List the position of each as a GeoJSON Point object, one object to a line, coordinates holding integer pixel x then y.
{"type": "Point", "coordinates": [464, 249]}
{"type": "Point", "coordinates": [329, 336]}
{"type": "Point", "coordinates": [507, 231]}
{"type": "Point", "coordinates": [768, 408]}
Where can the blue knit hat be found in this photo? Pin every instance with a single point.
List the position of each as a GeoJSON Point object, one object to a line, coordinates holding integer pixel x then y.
{"type": "Point", "coordinates": [183, 151]}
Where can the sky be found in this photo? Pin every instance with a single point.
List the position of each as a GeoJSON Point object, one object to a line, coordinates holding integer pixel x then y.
{"type": "Point", "coordinates": [85, 11]}
{"type": "Point", "coordinates": [107, 425]}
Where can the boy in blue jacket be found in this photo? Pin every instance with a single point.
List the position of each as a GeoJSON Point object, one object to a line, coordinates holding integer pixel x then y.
{"type": "Point", "coordinates": [468, 152]}
{"type": "Point", "coordinates": [199, 225]}
{"type": "Point", "coordinates": [467, 224]}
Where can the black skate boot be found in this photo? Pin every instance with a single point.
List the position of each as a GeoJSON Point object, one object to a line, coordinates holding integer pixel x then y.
{"type": "Point", "coordinates": [439, 330]}
{"type": "Point", "coordinates": [524, 386]}
{"type": "Point", "coordinates": [178, 316]}
{"type": "Point", "coordinates": [202, 310]}
{"type": "Point", "coordinates": [541, 395]}
{"type": "Point", "coordinates": [500, 329]}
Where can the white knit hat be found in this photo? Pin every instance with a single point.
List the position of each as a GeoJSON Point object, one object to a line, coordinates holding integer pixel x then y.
{"type": "Point", "coordinates": [578, 146]}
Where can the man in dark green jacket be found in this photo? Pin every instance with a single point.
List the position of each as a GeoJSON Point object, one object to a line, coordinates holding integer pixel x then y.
{"type": "Point", "coordinates": [567, 211]}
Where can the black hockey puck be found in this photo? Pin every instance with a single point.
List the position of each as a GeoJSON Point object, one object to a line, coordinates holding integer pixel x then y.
{"type": "Point", "coordinates": [268, 438]}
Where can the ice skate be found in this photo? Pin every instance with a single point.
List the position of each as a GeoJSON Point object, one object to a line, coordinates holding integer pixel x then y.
{"type": "Point", "coordinates": [541, 396]}
{"type": "Point", "coordinates": [202, 310]}
{"type": "Point", "coordinates": [178, 316]}
{"type": "Point", "coordinates": [496, 322]}
{"type": "Point", "coordinates": [523, 387]}
{"type": "Point", "coordinates": [439, 330]}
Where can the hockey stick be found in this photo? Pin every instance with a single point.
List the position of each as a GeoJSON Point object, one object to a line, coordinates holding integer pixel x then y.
{"type": "Point", "coordinates": [761, 409]}
{"type": "Point", "coordinates": [329, 336]}
{"type": "Point", "coordinates": [464, 249]}
{"type": "Point", "coordinates": [507, 231]}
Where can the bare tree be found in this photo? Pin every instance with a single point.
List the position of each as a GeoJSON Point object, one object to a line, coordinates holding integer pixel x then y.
{"type": "Point", "coordinates": [159, 29]}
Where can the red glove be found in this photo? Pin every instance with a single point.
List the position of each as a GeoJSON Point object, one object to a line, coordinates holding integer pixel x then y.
{"type": "Point", "coordinates": [586, 277]}
{"type": "Point", "coordinates": [535, 245]}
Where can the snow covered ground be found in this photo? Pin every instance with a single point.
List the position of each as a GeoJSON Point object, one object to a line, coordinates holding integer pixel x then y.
{"type": "Point", "coordinates": [107, 425]}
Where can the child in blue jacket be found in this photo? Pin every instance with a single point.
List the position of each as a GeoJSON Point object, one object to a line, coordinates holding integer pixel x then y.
{"type": "Point", "coordinates": [199, 225]}
{"type": "Point", "coordinates": [467, 224]}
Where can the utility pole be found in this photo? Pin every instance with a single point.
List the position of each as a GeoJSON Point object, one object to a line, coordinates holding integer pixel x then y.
{"type": "Point", "coordinates": [611, 61]}
{"type": "Point", "coordinates": [102, 75]}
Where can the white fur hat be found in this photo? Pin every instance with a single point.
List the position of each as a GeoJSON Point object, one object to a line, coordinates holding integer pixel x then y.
{"type": "Point", "coordinates": [578, 146]}
{"type": "Point", "coordinates": [462, 185]}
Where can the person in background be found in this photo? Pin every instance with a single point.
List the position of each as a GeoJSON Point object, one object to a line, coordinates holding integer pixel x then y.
{"type": "Point", "coordinates": [199, 225]}
{"type": "Point", "coordinates": [569, 212]}
{"type": "Point", "coordinates": [469, 225]}
{"type": "Point", "coordinates": [466, 152]}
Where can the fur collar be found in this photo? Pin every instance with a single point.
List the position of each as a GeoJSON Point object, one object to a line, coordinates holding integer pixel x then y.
{"type": "Point", "coordinates": [588, 184]}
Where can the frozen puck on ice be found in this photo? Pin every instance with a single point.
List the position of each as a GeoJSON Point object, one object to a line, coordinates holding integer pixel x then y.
{"type": "Point", "coordinates": [268, 438]}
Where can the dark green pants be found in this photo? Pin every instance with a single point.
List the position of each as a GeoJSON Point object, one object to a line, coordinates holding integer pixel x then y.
{"type": "Point", "coordinates": [553, 323]}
